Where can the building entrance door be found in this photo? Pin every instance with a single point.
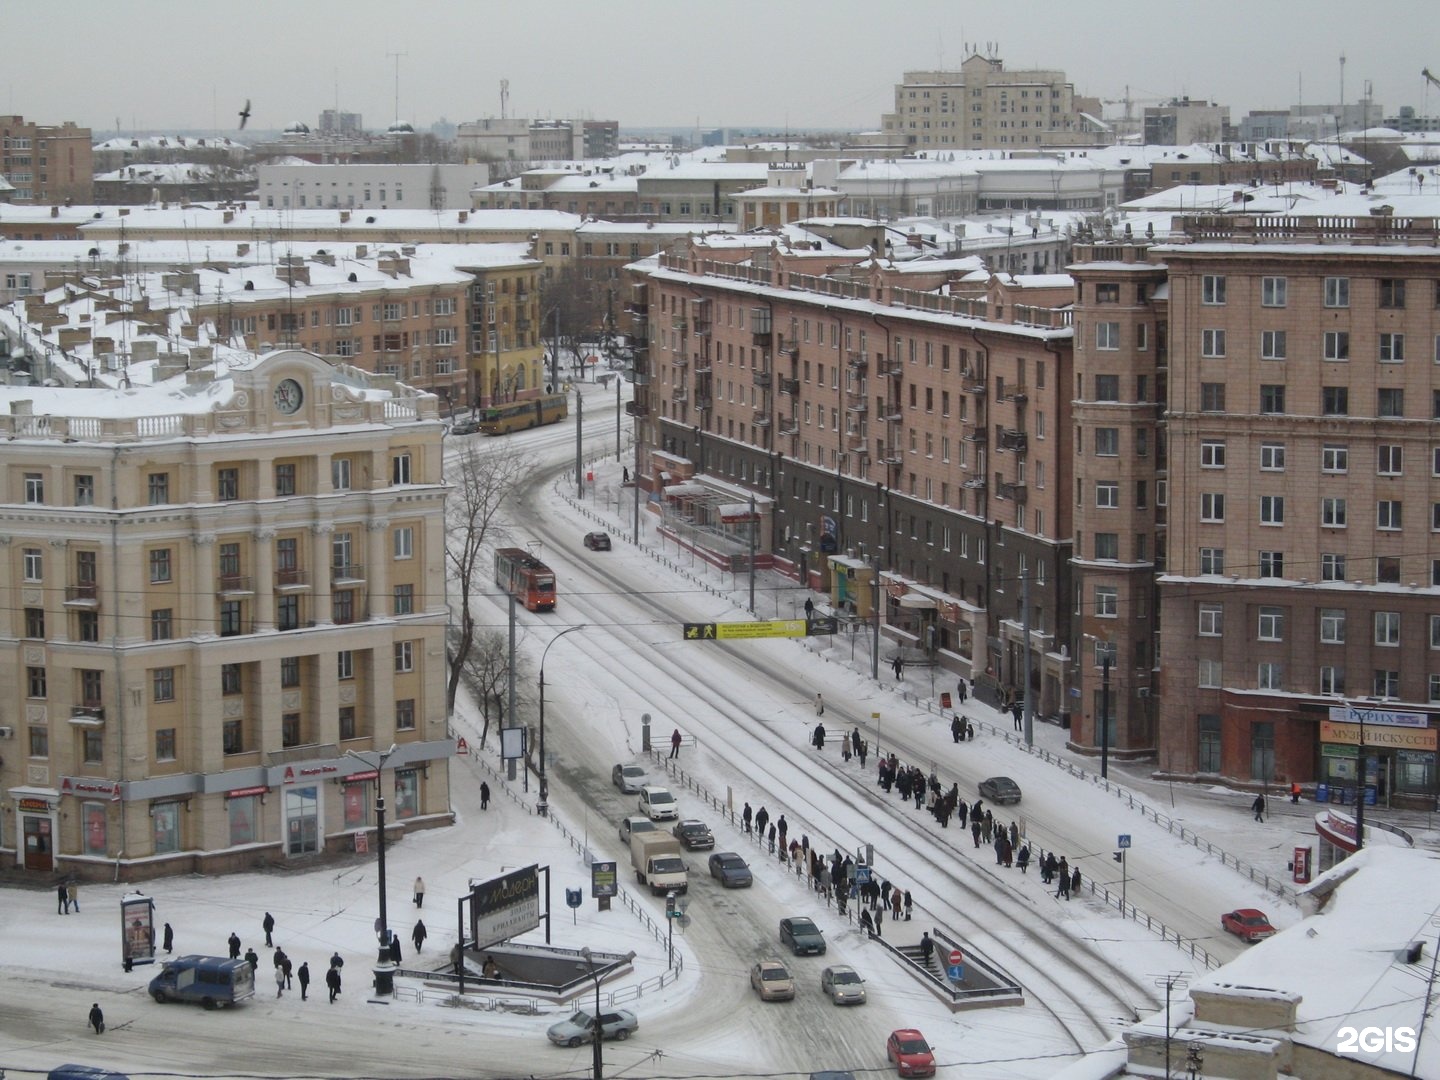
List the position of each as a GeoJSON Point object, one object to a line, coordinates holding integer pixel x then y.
{"type": "Point", "coordinates": [39, 842]}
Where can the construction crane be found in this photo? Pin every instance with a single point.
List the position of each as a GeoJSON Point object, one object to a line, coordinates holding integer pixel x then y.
{"type": "Point", "coordinates": [1425, 73]}
{"type": "Point", "coordinates": [1129, 102]}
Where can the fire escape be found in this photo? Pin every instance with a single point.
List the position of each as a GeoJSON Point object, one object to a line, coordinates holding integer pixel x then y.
{"type": "Point", "coordinates": [1012, 441]}
{"type": "Point", "coordinates": [760, 325]}
{"type": "Point", "coordinates": [973, 383]}
{"type": "Point", "coordinates": [788, 423]}
{"type": "Point", "coordinates": [857, 426]}
{"type": "Point", "coordinates": [639, 312]}
{"type": "Point", "coordinates": [700, 318]}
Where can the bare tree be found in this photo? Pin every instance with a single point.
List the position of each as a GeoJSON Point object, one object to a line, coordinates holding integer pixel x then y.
{"type": "Point", "coordinates": [487, 672]}
{"type": "Point", "coordinates": [483, 481]}
{"type": "Point", "coordinates": [574, 308]}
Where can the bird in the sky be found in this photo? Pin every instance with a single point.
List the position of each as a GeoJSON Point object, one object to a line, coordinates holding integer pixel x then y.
{"type": "Point", "coordinates": [244, 114]}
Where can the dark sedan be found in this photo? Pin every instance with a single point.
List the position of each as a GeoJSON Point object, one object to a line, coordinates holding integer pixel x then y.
{"type": "Point", "coordinates": [730, 870]}
{"type": "Point", "coordinates": [597, 541]}
{"type": "Point", "coordinates": [694, 835]}
{"type": "Point", "coordinates": [1000, 789]}
{"type": "Point", "coordinates": [803, 936]}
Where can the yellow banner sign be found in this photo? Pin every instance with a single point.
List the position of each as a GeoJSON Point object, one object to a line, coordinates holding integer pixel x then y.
{"type": "Point", "coordinates": [1378, 735]}
{"type": "Point", "coordinates": [735, 631]}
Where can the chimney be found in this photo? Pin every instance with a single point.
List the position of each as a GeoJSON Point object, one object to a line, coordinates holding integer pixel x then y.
{"type": "Point", "coordinates": [55, 211]}
{"type": "Point", "coordinates": [229, 216]}
{"type": "Point", "coordinates": [464, 216]}
{"type": "Point", "coordinates": [242, 250]}
{"type": "Point", "coordinates": [344, 216]}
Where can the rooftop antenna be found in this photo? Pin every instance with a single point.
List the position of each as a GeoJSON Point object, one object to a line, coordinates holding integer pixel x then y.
{"type": "Point", "coordinates": [504, 96]}
{"type": "Point", "coordinates": [1340, 119]}
{"type": "Point", "coordinates": [396, 56]}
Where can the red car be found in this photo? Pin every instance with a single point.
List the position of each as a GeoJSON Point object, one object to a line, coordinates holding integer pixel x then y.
{"type": "Point", "coordinates": [910, 1052]}
{"type": "Point", "coordinates": [1247, 923]}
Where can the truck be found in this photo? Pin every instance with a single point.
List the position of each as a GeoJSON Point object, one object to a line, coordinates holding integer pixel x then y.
{"type": "Point", "coordinates": [658, 862]}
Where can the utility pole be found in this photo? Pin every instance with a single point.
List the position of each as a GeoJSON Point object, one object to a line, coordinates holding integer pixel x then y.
{"type": "Point", "coordinates": [619, 383]}
{"type": "Point", "coordinates": [396, 57]}
{"type": "Point", "coordinates": [1105, 715]}
{"type": "Point", "coordinates": [754, 528]}
{"type": "Point", "coordinates": [579, 443]}
{"type": "Point", "coordinates": [1025, 629]}
{"type": "Point", "coordinates": [510, 703]}
{"type": "Point", "coordinates": [875, 614]}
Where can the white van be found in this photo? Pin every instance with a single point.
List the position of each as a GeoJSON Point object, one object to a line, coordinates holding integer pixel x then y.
{"type": "Point", "coordinates": [658, 804]}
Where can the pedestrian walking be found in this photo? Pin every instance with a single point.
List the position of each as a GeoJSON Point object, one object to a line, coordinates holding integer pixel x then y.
{"type": "Point", "coordinates": [1295, 792]}
{"type": "Point", "coordinates": [960, 691]}
{"type": "Point", "coordinates": [747, 817]}
{"type": "Point", "coordinates": [855, 742]}
{"type": "Point", "coordinates": [899, 666]}
{"type": "Point", "coordinates": [956, 728]}
{"type": "Point", "coordinates": [845, 748]}
{"type": "Point", "coordinates": [895, 905]}
{"type": "Point", "coordinates": [304, 974]}
{"type": "Point", "coordinates": [1062, 873]}
{"type": "Point", "coordinates": [279, 980]}
{"type": "Point", "coordinates": [97, 1019]}
{"type": "Point", "coordinates": [332, 980]}
{"type": "Point", "coordinates": [879, 919]}
{"type": "Point", "coordinates": [418, 935]}
{"type": "Point", "coordinates": [253, 959]}
{"type": "Point", "coordinates": [72, 894]}
{"type": "Point", "coordinates": [809, 609]}
{"type": "Point", "coordinates": [819, 705]}
{"type": "Point", "coordinates": [783, 829]}
{"type": "Point", "coordinates": [866, 923]}
{"type": "Point", "coordinates": [288, 969]}
{"type": "Point", "coordinates": [394, 947]}
{"type": "Point", "coordinates": [1258, 806]}
{"type": "Point", "coordinates": [1075, 881]}
{"type": "Point", "coordinates": [909, 905]}
{"type": "Point", "coordinates": [675, 743]}
{"type": "Point", "coordinates": [864, 751]}
{"type": "Point", "coordinates": [927, 948]}
{"type": "Point", "coordinates": [1014, 834]}
{"type": "Point", "coordinates": [169, 938]}
{"type": "Point", "coordinates": [817, 739]}
{"type": "Point", "coordinates": [484, 795]}
{"type": "Point", "coordinates": [268, 925]}
{"type": "Point", "coordinates": [1023, 858]}
{"type": "Point", "coordinates": [1015, 711]}
{"type": "Point", "coordinates": [234, 946]}
{"type": "Point", "coordinates": [419, 892]}
{"type": "Point", "coordinates": [975, 830]}
{"type": "Point", "coordinates": [337, 961]}
{"type": "Point", "coordinates": [761, 817]}
{"type": "Point", "coordinates": [62, 900]}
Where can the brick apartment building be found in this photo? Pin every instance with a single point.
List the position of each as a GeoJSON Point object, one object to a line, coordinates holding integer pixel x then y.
{"type": "Point", "coordinates": [46, 164]}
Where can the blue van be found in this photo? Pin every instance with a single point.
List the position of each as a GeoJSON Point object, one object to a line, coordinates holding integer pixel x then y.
{"type": "Point", "coordinates": [83, 1072]}
{"type": "Point", "coordinates": [207, 980]}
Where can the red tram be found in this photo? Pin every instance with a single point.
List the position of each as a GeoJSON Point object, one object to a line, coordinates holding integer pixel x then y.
{"type": "Point", "coordinates": [526, 578]}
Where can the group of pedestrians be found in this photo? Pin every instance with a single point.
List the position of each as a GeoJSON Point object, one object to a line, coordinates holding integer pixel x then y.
{"type": "Point", "coordinates": [67, 895]}
{"type": "Point", "coordinates": [285, 970]}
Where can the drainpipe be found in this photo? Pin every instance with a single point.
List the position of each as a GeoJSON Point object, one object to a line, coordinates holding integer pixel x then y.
{"type": "Point", "coordinates": [983, 351]}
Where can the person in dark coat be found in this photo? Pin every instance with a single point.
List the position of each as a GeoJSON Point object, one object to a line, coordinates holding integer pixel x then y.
{"type": "Point", "coordinates": [169, 938]}
{"type": "Point", "coordinates": [304, 974]}
{"type": "Point", "coordinates": [289, 969]}
{"type": "Point", "coordinates": [782, 828]}
{"type": "Point", "coordinates": [1258, 806]}
{"type": "Point", "coordinates": [817, 740]}
{"type": "Point", "coordinates": [97, 1019]}
{"type": "Point", "coordinates": [675, 743]}
{"type": "Point", "coordinates": [332, 980]}
{"type": "Point", "coordinates": [234, 946]}
{"type": "Point", "coordinates": [268, 925]}
{"type": "Point", "coordinates": [1023, 858]}
{"type": "Point", "coordinates": [956, 728]}
{"type": "Point", "coordinates": [62, 900]}
{"type": "Point", "coordinates": [394, 947]}
{"type": "Point", "coordinates": [1062, 878]}
{"type": "Point", "coordinates": [927, 948]}
{"type": "Point", "coordinates": [909, 905]}
{"type": "Point", "coordinates": [761, 817]}
{"type": "Point", "coordinates": [960, 691]}
{"type": "Point", "coordinates": [484, 795]}
{"type": "Point", "coordinates": [747, 817]}
{"type": "Point", "coordinates": [419, 934]}
{"type": "Point", "coordinates": [855, 742]}
{"type": "Point", "coordinates": [975, 830]}
{"type": "Point", "coordinates": [1075, 881]}
{"type": "Point", "coordinates": [866, 923]}
{"type": "Point", "coordinates": [337, 961]}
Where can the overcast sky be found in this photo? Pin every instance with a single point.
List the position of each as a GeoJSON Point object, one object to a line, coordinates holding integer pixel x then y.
{"type": "Point", "coordinates": [166, 65]}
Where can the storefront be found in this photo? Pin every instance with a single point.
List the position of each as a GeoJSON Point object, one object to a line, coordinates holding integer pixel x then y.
{"type": "Point", "coordinates": [1395, 751]}
{"type": "Point", "coordinates": [36, 812]}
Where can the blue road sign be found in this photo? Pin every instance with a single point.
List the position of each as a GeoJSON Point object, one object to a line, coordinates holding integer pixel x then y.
{"type": "Point", "coordinates": [956, 972]}
{"type": "Point", "coordinates": [1124, 841]}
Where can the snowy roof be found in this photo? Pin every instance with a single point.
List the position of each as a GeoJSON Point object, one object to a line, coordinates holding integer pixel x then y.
{"type": "Point", "coordinates": [249, 218]}
{"type": "Point", "coordinates": [169, 172]}
{"type": "Point", "coordinates": [169, 142]}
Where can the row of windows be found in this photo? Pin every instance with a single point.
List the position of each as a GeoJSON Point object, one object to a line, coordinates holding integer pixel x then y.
{"type": "Point", "coordinates": [1384, 682]}
{"type": "Point", "coordinates": [1335, 291]}
{"type": "Point", "coordinates": [1334, 511]}
{"type": "Point", "coordinates": [1275, 344]}
{"type": "Point", "coordinates": [1332, 622]}
{"type": "Point", "coordinates": [1334, 457]}
{"type": "Point", "coordinates": [1333, 566]}
{"type": "Point", "coordinates": [1334, 400]}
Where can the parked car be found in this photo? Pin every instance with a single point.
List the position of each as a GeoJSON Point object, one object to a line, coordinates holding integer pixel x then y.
{"type": "Point", "coordinates": [694, 835]}
{"type": "Point", "coordinates": [1247, 923]}
{"type": "Point", "coordinates": [1000, 789]}
{"type": "Point", "coordinates": [771, 981]}
{"type": "Point", "coordinates": [731, 870]}
{"type": "Point", "coordinates": [629, 778]}
{"type": "Point", "coordinates": [910, 1053]}
{"type": "Point", "coordinates": [632, 824]}
{"type": "Point", "coordinates": [658, 804]}
{"type": "Point", "coordinates": [597, 541]}
{"type": "Point", "coordinates": [843, 985]}
{"type": "Point", "coordinates": [465, 427]}
{"type": "Point", "coordinates": [803, 936]}
{"type": "Point", "coordinates": [580, 1027]}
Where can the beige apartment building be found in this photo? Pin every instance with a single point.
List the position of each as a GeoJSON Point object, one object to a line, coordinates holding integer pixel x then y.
{"type": "Point", "coordinates": [983, 106]}
{"type": "Point", "coordinates": [45, 163]}
{"type": "Point", "coordinates": [909, 418]}
{"type": "Point", "coordinates": [222, 584]}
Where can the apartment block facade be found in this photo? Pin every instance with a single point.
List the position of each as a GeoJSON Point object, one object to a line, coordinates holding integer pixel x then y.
{"type": "Point", "coordinates": [45, 163]}
{"type": "Point", "coordinates": [222, 586]}
{"type": "Point", "coordinates": [877, 418]}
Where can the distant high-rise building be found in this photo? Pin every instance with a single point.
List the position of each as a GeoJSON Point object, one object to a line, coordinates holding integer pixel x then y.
{"type": "Point", "coordinates": [46, 164]}
{"type": "Point", "coordinates": [335, 122]}
{"type": "Point", "coordinates": [1183, 121]}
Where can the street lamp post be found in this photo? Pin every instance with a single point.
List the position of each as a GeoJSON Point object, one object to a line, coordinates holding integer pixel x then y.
{"type": "Point", "coordinates": [384, 968]}
{"type": "Point", "coordinates": [598, 1065]}
{"type": "Point", "coordinates": [543, 806]}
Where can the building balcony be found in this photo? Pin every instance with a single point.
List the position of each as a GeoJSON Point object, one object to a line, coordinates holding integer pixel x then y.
{"type": "Point", "coordinates": [702, 327]}
{"type": "Point", "coordinates": [636, 408]}
{"type": "Point", "coordinates": [680, 393]}
{"type": "Point", "coordinates": [789, 386]}
{"type": "Point", "coordinates": [350, 575]}
{"type": "Point", "coordinates": [856, 442]}
{"type": "Point", "coordinates": [856, 360]}
{"type": "Point", "coordinates": [858, 407]}
{"type": "Point", "coordinates": [703, 402]}
{"type": "Point", "coordinates": [762, 378]}
{"type": "Point", "coordinates": [761, 418]}
{"type": "Point", "coordinates": [1018, 441]}
{"type": "Point", "coordinates": [788, 426]}
{"type": "Point", "coordinates": [971, 385]}
{"type": "Point", "coordinates": [762, 339]}
{"type": "Point", "coordinates": [975, 483]}
{"type": "Point", "coordinates": [292, 578]}
{"type": "Point", "coordinates": [230, 584]}
{"type": "Point", "coordinates": [790, 346]}
{"type": "Point", "coordinates": [703, 365]}
{"type": "Point", "coordinates": [680, 360]}
{"type": "Point", "coordinates": [681, 324]}
{"type": "Point", "coordinates": [90, 714]}
{"type": "Point", "coordinates": [976, 435]}
{"type": "Point", "coordinates": [82, 596]}
{"type": "Point", "coordinates": [1017, 394]}
{"type": "Point", "coordinates": [894, 369]}
{"type": "Point", "coordinates": [1013, 490]}
{"type": "Point", "coordinates": [639, 378]}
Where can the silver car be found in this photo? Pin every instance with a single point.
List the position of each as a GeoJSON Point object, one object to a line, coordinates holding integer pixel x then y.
{"type": "Point", "coordinates": [629, 778]}
{"type": "Point", "coordinates": [843, 985]}
{"type": "Point", "coordinates": [580, 1028]}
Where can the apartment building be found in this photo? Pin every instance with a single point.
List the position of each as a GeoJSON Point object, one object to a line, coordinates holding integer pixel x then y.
{"type": "Point", "coordinates": [983, 106]}
{"type": "Point", "coordinates": [875, 414]}
{"type": "Point", "coordinates": [426, 186]}
{"type": "Point", "coordinates": [224, 580]}
{"type": "Point", "coordinates": [45, 163]}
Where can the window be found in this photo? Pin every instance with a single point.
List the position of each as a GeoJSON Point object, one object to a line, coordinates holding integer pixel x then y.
{"type": "Point", "coordinates": [1212, 343]}
{"type": "Point", "coordinates": [1107, 546]}
{"type": "Point", "coordinates": [1386, 684]}
{"type": "Point", "coordinates": [1392, 348]}
{"type": "Point", "coordinates": [160, 565]}
{"type": "Point", "coordinates": [1212, 455]}
{"type": "Point", "coordinates": [93, 748]}
{"type": "Point", "coordinates": [1434, 634]}
{"type": "Point", "coordinates": [290, 729]}
{"type": "Point", "coordinates": [1334, 458]}
{"type": "Point", "coordinates": [1272, 624]}
{"type": "Point", "coordinates": [1269, 676]}
{"type": "Point", "coordinates": [1212, 289]}
{"type": "Point", "coordinates": [1212, 397]}
{"type": "Point", "coordinates": [1390, 460]}
{"type": "Point", "coordinates": [35, 682]}
{"type": "Point", "coordinates": [404, 599]}
{"type": "Point", "coordinates": [230, 682]}
{"type": "Point", "coordinates": [1212, 560]}
{"type": "Point", "coordinates": [159, 488]}
{"type": "Point", "coordinates": [1387, 628]}
{"type": "Point", "coordinates": [1107, 387]}
{"type": "Point", "coordinates": [1337, 292]}
{"type": "Point", "coordinates": [162, 684]}
{"type": "Point", "coordinates": [84, 491]}
{"type": "Point", "coordinates": [404, 656]}
{"type": "Point", "coordinates": [1107, 335]}
{"type": "Point", "coordinates": [1388, 514]}
{"type": "Point", "coordinates": [39, 742]}
{"type": "Point", "coordinates": [1209, 756]}
{"type": "Point", "coordinates": [1337, 345]}
{"type": "Point", "coordinates": [285, 479]}
{"type": "Point", "coordinates": [289, 671]}
{"type": "Point", "coordinates": [1392, 292]}
{"type": "Point", "coordinates": [1333, 512]}
{"type": "Point", "coordinates": [1212, 620]}
{"type": "Point", "coordinates": [34, 488]}
{"type": "Point", "coordinates": [347, 722]}
{"type": "Point", "coordinates": [1332, 679]}
{"type": "Point", "coordinates": [345, 664]}
{"type": "Point", "coordinates": [287, 612]}
{"type": "Point", "coordinates": [1335, 400]}
{"type": "Point", "coordinates": [34, 622]}
{"type": "Point", "coordinates": [1272, 398]}
{"type": "Point", "coordinates": [34, 564]}
{"type": "Point", "coordinates": [1272, 564]}
{"type": "Point", "coordinates": [400, 469]}
{"type": "Point", "coordinates": [1272, 291]}
{"type": "Point", "coordinates": [1107, 293]}
{"type": "Point", "coordinates": [1272, 345]}
{"type": "Point", "coordinates": [1272, 457]}
{"type": "Point", "coordinates": [1208, 674]}
{"type": "Point", "coordinates": [1390, 402]}
{"type": "Point", "coordinates": [1107, 601]}
{"type": "Point", "coordinates": [340, 474]}
{"type": "Point", "coordinates": [161, 624]}
{"type": "Point", "coordinates": [1107, 494]}
{"type": "Point", "coordinates": [1212, 506]}
{"type": "Point", "coordinates": [1332, 626]}
{"type": "Point", "coordinates": [405, 714]}
{"type": "Point", "coordinates": [165, 744]}
{"type": "Point", "coordinates": [404, 542]}
{"type": "Point", "coordinates": [1332, 567]}
{"type": "Point", "coordinates": [1107, 442]}
{"type": "Point", "coordinates": [1272, 509]}
{"type": "Point", "coordinates": [227, 485]}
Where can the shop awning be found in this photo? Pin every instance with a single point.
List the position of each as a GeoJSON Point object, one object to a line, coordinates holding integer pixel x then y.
{"type": "Point", "coordinates": [917, 601]}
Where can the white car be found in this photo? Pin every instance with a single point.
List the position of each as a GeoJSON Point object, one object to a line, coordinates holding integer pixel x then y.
{"type": "Point", "coordinates": [629, 778]}
{"type": "Point", "coordinates": [658, 804]}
